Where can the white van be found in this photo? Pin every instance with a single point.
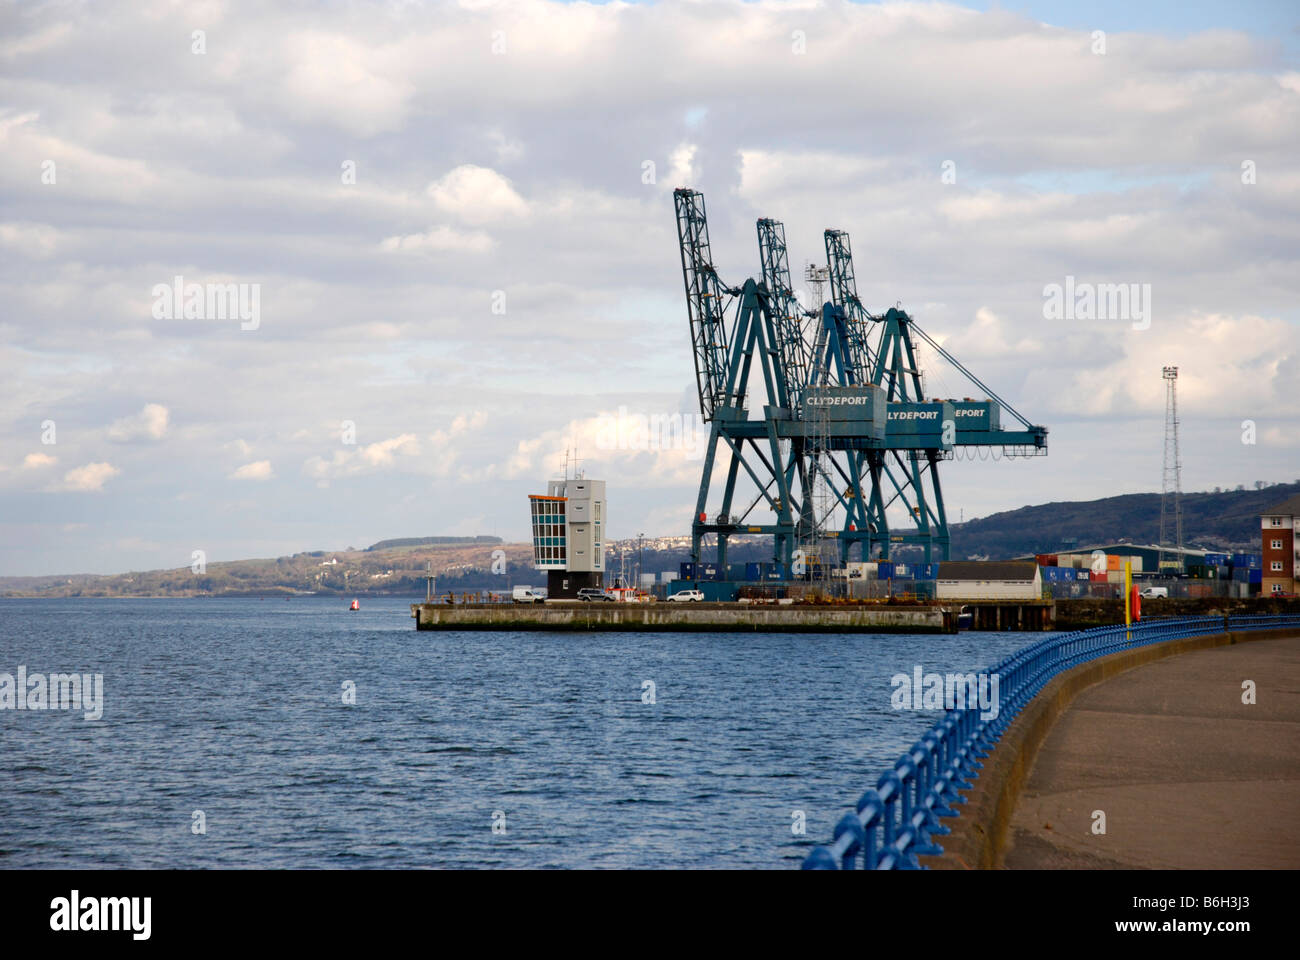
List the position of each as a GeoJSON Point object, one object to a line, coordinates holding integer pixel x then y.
{"type": "Point", "coordinates": [1150, 593]}
{"type": "Point", "coordinates": [528, 595]}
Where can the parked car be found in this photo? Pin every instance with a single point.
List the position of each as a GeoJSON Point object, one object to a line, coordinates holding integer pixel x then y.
{"type": "Point", "coordinates": [527, 595]}
{"type": "Point", "coordinates": [1150, 593]}
{"type": "Point", "coordinates": [594, 593]}
{"type": "Point", "coordinates": [682, 596]}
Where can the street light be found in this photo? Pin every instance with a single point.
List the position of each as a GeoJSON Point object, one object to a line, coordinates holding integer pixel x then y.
{"type": "Point", "coordinates": [639, 538]}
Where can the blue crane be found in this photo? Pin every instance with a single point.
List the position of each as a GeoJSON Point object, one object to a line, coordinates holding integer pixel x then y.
{"type": "Point", "coordinates": [877, 441]}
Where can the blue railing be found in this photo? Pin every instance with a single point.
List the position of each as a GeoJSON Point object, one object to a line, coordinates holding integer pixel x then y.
{"type": "Point", "coordinates": [898, 820]}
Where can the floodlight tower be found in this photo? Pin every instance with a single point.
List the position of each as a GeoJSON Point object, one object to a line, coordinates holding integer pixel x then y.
{"type": "Point", "coordinates": [1172, 481]}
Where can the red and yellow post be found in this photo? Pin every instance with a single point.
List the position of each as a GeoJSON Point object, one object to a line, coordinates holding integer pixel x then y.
{"type": "Point", "coordinates": [1128, 600]}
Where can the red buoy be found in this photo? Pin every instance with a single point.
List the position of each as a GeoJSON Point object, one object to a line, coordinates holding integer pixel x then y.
{"type": "Point", "coordinates": [355, 606]}
{"type": "Point", "coordinates": [1135, 605]}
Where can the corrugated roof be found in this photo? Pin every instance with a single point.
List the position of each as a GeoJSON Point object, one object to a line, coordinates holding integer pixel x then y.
{"type": "Point", "coordinates": [987, 570]}
{"type": "Point", "coordinates": [1287, 508]}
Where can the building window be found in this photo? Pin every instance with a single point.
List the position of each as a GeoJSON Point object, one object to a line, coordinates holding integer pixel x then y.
{"type": "Point", "coordinates": [1276, 544]}
{"type": "Point", "coordinates": [1275, 521]}
{"type": "Point", "coordinates": [1277, 566]}
{"type": "Point", "coordinates": [1277, 588]}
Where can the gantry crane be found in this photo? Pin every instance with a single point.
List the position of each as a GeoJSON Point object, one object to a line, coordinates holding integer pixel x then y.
{"type": "Point", "coordinates": [854, 373]}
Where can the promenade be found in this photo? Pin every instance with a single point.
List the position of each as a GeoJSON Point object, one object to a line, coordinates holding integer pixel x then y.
{"type": "Point", "coordinates": [1186, 774]}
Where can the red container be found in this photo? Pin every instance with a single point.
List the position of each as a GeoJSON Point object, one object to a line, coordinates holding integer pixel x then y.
{"type": "Point", "coordinates": [1045, 559]}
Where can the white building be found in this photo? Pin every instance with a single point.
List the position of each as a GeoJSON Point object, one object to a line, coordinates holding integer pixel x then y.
{"type": "Point", "coordinates": [989, 580]}
{"type": "Point", "coordinates": [568, 534]}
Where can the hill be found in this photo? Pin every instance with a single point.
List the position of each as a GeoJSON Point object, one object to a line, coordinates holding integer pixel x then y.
{"type": "Point", "coordinates": [1223, 521]}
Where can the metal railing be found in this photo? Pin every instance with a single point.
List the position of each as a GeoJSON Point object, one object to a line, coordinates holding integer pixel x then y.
{"type": "Point", "coordinates": [897, 821]}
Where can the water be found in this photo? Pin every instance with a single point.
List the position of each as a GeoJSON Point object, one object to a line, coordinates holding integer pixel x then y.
{"type": "Point", "coordinates": [235, 708]}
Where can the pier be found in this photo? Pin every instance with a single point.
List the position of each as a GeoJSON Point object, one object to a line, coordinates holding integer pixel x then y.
{"type": "Point", "coordinates": [688, 617]}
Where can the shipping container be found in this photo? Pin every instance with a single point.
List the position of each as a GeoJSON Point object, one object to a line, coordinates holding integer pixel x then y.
{"type": "Point", "coordinates": [1256, 575]}
{"type": "Point", "coordinates": [1114, 562]}
{"type": "Point", "coordinates": [1216, 559]}
{"type": "Point", "coordinates": [753, 571]}
{"type": "Point", "coordinates": [721, 590]}
{"type": "Point", "coordinates": [1248, 560]}
{"type": "Point", "coordinates": [885, 570]}
{"type": "Point", "coordinates": [707, 571]}
{"type": "Point", "coordinates": [687, 570]}
{"type": "Point", "coordinates": [1046, 559]}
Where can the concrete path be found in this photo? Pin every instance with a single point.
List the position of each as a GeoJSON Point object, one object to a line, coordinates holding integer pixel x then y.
{"type": "Point", "coordinates": [1188, 776]}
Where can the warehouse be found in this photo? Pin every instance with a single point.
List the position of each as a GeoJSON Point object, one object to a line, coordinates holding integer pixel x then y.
{"type": "Point", "coordinates": [989, 580]}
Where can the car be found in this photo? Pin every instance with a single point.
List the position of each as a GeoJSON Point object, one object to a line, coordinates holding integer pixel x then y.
{"type": "Point", "coordinates": [527, 595]}
{"type": "Point", "coordinates": [1150, 593]}
{"type": "Point", "coordinates": [683, 596]}
{"type": "Point", "coordinates": [594, 593]}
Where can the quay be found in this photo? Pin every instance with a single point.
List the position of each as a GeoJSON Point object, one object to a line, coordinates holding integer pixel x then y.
{"type": "Point", "coordinates": [686, 617]}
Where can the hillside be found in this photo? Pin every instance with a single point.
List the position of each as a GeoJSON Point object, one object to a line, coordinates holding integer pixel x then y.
{"type": "Point", "coordinates": [1224, 521]}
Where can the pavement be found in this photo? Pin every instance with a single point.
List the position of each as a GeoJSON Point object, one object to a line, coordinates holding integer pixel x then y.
{"type": "Point", "coordinates": [1186, 774]}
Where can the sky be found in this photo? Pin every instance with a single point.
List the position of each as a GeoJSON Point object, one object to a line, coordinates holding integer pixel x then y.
{"type": "Point", "coordinates": [452, 228]}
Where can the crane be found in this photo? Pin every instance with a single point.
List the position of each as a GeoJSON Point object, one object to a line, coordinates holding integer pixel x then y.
{"type": "Point", "coordinates": [854, 373]}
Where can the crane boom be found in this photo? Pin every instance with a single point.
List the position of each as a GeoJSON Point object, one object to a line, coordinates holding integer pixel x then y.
{"type": "Point", "coordinates": [704, 301]}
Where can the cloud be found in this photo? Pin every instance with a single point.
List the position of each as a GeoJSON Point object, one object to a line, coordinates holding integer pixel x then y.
{"type": "Point", "coordinates": [379, 456]}
{"type": "Point", "coordinates": [257, 470]}
{"type": "Point", "coordinates": [89, 478]}
{"type": "Point", "coordinates": [440, 239]}
{"type": "Point", "coordinates": [150, 423]}
{"type": "Point", "coordinates": [34, 461]}
{"type": "Point", "coordinates": [522, 173]}
{"type": "Point", "coordinates": [477, 195]}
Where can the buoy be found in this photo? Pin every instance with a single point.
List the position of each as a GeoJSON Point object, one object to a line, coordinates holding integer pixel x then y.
{"type": "Point", "coordinates": [355, 606]}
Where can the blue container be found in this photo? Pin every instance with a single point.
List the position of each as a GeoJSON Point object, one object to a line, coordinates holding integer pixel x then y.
{"type": "Point", "coordinates": [1216, 559]}
{"type": "Point", "coordinates": [753, 571]}
{"type": "Point", "coordinates": [885, 570]}
{"type": "Point", "coordinates": [1248, 560]}
{"type": "Point", "coordinates": [1256, 575]}
{"type": "Point", "coordinates": [688, 570]}
{"type": "Point", "coordinates": [707, 571]}
{"type": "Point", "coordinates": [927, 571]}
{"type": "Point", "coordinates": [721, 590]}
{"type": "Point", "coordinates": [774, 571]}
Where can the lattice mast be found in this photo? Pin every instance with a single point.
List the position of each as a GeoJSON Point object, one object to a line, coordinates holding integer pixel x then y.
{"type": "Point", "coordinates": [1171, 490]}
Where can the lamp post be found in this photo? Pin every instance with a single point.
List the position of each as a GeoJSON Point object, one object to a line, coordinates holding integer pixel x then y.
{"type": "Point", "coordinates": [639, 538]}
